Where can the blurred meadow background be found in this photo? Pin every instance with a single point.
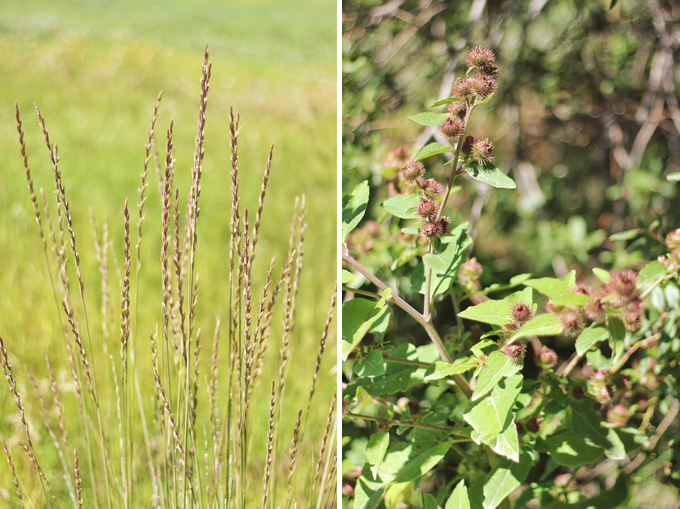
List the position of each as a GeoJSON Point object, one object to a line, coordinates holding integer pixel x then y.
{"type": "Point", "coordinates": [95, 69]}
{"type": "Point", "coordinates": [586, 121]}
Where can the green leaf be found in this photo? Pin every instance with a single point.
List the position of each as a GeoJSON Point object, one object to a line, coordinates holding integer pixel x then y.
{"type": "Point", "coordinates": [429, 502]}
{"type": "Point", "coordinates": [401, 463]}
{"type": "Point", "coordinates": [568, 449]}
{"type": "Point", "coordinates": [497, 366]}
{"type": "Point", "coordinates": [402, 206]}
{"type": "Point", "coordinates": [611, 499]}
{"type": "Point", "coordinates": [348, 277]}
{"type": "Point", "coordinates": [495, 312]}
{"type": "Point", "coordinates": [492, 417]}
{"type": "Point", "coordinates": [589, 337]}
{"type": "Point", "coordinates": [505, 478]}
{"type": "Point", "coordinates": [673, 177]}
{"type": "Point", "coordinates": [429, 119]}
{"type": "Point", "coordinates": [367, 493]}
{"type": "Point", "coordinates": [353, 208]}
{"type": "Point", "coordinates": [559, 290]}
{"type": "Point", "coordinates": [459, 498]}
{"type": "Point", "coordinates": [375, 451]}
{"type": "Point", "coordinates": [617, 334]}
{"type": "Point", "coordinates": [541, 325]}
{"type": "Point", "coordinates": [432, 150]}
{"type": "Point", "coordinates": [445, 101]}
{"type": "Point", "coordinates": [450, 256]}
{"type": "Point", "coordinates": [650, 274]}
{"type": "Point", "coordinates": [372, 365]}
{"type": "Point", "coordinates": [627, 235]}
{"type": "Point", "coordinates": [411, 230]}
{"type": "Point", "coordinates": [602, 275]}
{"type": "Point", "coordinates": [397, 377]}
{"type": "Point", "coordinates": [489, 174]}
{"type": "Point", "coordinates": [357, 317]}
{"type": "Point", "coordinates": [443, 369]}
{"type": "Point", "coordinates": [423, 463]}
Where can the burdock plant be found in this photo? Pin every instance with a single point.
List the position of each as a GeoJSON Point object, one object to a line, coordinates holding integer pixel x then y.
{"type": "Point", "coordinates": [460, 422]}
{"type": "Point", "coordinates": [192, 454]}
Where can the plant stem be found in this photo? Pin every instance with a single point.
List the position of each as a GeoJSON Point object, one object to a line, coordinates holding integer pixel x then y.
{"type": "Point", "coordinates": [407, 362]}
{"type": "Point", "coordinates": [426, 324]}
{"type": "Point", "coordinates": [412, 424]}
{"type": "Point", "coordinates": [361, 292]}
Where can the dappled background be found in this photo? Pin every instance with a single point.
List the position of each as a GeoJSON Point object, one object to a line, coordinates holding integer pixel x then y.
{"type": "Point", "coordinates": [586, 121]}
{"type": "Point", "coordinates": [95, 69]}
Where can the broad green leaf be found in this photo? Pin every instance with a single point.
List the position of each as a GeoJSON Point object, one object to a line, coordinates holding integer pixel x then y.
{"type": "Point", "coordinates": [423, 463]}
{"type": "Point", "coordinates": [411, 230]}
{"type": "Point", "coordinates": [497, 366]}
{"type": "Point", "coordinates": [616, 449]}
{"type": "Point", "coordinates": [650, 274]}
{"type": "Point", "coordinates": [353, 208]}
{"type": "Point", "coordinates": [432, 150]}
{"type": "Point", "coordinates": [445, 101]}
{"type": "Point", "coordinates": [372, 365]}
{"type": "Point", "coordinates": [429, 119]}
{"type": "Point", "coordinates": [617, 334]}
{"type": "Point", "coordinates": [397, 377]}
{"type": "Point", "coordinates": [602, 275]}
{"type": "Point", "coordinates": [673, 177]}
{"type": "Point", "coordinates": [451, 255]}
{"type": "Point", "coordinates": [367, 493]}
{"type": "Point", "coordinates": [429, 502]}
{"type": "Point", "coordinates": [586, 422]}
{"type": "Point", "coordinates": [459, 498]}
{"type": "Point", "coordinates": [489, 174]}
{"type": "Point", "coordinates": [569, 449]}
{"type": "Point", "coordinates": [541, 325]}
{"type": "Point", "coordinates": [402, 205]}
{"type": "Point", "coordinates": [589, 337]}
{"type": "Point", "coordinates": [375, 451]}
{"type": "Point", "coordinates": [526, 296]}
{"type": "Point", "coordinates": [559, 290]}
{"type": "Point", "coordinates": [505, 478]}
{"type": "Point", "coordinates": [491, 416]}
{"type": "Point", "coordinates": [514, 281]}
{"type": "Point", "coordinates": [496, 312]}
{"type": "Point", "coordinates": [627, 235]}
{"type": "Point", "coordinates": [348, 277]}
{"type": "Point", "coordinates": [443, 369]}
{"type": "Point", "coordinates": [357, 317]}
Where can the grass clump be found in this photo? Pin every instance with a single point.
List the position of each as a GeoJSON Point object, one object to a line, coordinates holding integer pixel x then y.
{"type": "Point", "coordinates": [171, 435]}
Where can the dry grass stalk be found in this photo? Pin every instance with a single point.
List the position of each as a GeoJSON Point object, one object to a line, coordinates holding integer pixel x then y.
{"type": "Point", "coordinates": [57, 403]}
{"type": "Point", "coordinates": [260, 203]}
{"type": "Point", "coordinates": [15, 479]}
{"type": "Point", "coordinates": [34, 199]}
{"type": "Point", "coordinates": [177, 261]}
{"type": "Point", "coordinates": [322, 346]}
{"type": "Point", "coordinates": [165, 237]}
{"type": "Point", "coordinates": [212, 386]}
{"type": "Point", "coordinates": [293, 458]}
{"type": "Point", "coordinates": [76, 464]}
{"type": "Point", "coordinates": [302, 226]}
{"type": "Point", "coordinates": [12, 383]}
{"type": "Point", "coordinates": [317, 470]}
{"type": "Point", "coordinates": [101, 251]}
{"type": "Point", "coordinates": [270, 447]}
{"type": "Point", "coordinates": [125, 297]}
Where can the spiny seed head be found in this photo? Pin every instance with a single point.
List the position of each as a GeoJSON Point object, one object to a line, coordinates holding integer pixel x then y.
{"type": "Point", "coordinates": [471, 268]}
{"type": "Point", "coordinates": [515, 351]}
{"type": "Point", "coordinates": [443, 226]}
{"type": "Point", "coordinates": [578, 392]}
{"type": "Point", "coordinates": [427, 209]}
{"type": "Point", "coordinates": [466, 146]}
{"type": "Point", "coordinates": [622, 283]}
{"type": "Point", "coordinates": [631, 315]}
{"type": "Point", "coordinates": [397, 157]}
{"type": "Point", "coordinates": [452, 127]}
{"type": "Point", "coordinates": [534, 424]}
{"type": "Point", "coordinates": [553, 308]}
{"type": "Point", "coordinates": [548, 357]}
{"type": "Point", "coordinates": [462, 88]}
{"type": "Point", "coordinates": [345, 408]}
{"type": "Point", "coordinates": [672, 239]}
{"type": "Point", "coordinates": [582, 289]}
{"type": "Point", "coordinates": [483, 151]}
{"type": "Point", "coordinates": [478, 58]}
{"type": "Point", "coordinates": [413, 171]}
{"type": "Point", "coordinates": [431, 188]}
{"type": "Point", "coordinates": [428, 231]}
{"type": "Point", "coordinates": [521, 312]}
{"type": "Point", "coordinates": [594, 308]}
{"type": "Point", "coordinates": [483, 86]}
{"type": "Point", "coordinates": [618, 415]}
{"type": "Point", "coordinates": [457, 109]}
{"type": "Point", "coordinates": [572, 323]}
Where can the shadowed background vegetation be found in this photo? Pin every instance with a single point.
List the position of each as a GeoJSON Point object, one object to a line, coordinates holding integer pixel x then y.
{"type": "Point", "coordinates": [586, 121]}
{"type": "Point", "coordinates": [95, 68]}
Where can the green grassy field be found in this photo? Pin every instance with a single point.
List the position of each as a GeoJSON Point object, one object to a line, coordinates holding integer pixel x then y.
{"type": "Point", "coordinates": [95, 68]}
